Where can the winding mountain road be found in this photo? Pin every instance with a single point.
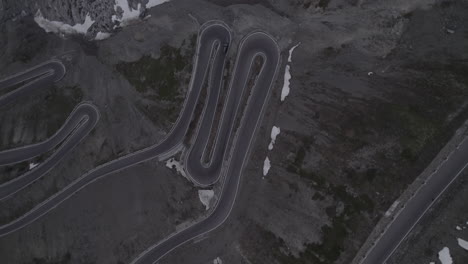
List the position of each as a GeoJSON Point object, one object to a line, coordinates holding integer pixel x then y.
{"type": "Point", "coordinates": [212, 47]}
{"type": "Point", "coordinates": [253, 45]}
{"type": "Point", "coordinates": [77, 126]}
{"type": "Point", "coordinates": [34, 78]}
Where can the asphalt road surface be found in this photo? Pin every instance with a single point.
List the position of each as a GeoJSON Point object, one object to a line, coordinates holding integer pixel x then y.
{"type": "Point", "coordinates": [37, 77]}
{"type": "Point", "coordinates": [79, 117]}
{"type": "Point", "coordinates": [213, 41]}
{"type": "Point", "coordinates": [78, 125]}
{"type": "Point", "coordinates": [417, 206]}
{"type": "Point", "coordinates": [207, 174]}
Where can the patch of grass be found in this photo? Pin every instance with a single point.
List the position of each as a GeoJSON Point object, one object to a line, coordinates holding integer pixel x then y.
{"type": "Point", "coordinates": [342, 223]}
{"type": "Point", "coordinates": [442, 89]}
{"type": "Point", "coordinates": [330, 52]}
{"type": "Point", "coordinates": [422, 123]}
{"type": "Point", "coordinates": [158, 75]}
{"type": "Point", "coordinates": [65, 259]}
{"type": "Point", "coordinates": [293, 186]}
{"type": "Point", "coordinates": [334, 236]}
{"type": "Point", "coordinates": [318, 197]}
{"type": "Point", "coordinates": [422, 112]}
{"type": "Point", "coordinates": [296, 166]}
{"type": "Point", "coordinates": [262, 246]}
{"type": "Point", "coordinates": [317, 180]}
{"type": "Point", "coordinates": [148, 73]}
{"type": "Point", "coordinates": [159, 80]}
{"type": "Point", "coordinates": [357, 179]}
{"type": "Point", "coordinates": [370, 174]}
{"type": "Point", "coordinates": [30, 40]}
{"type": "Point", "coordinates": [429, 252]}
{"type": "Point", "coordinates": [441, 81]}
{"type": "Point", "coordinates": [323, 3]}
{"type": "Point", "coordinates": [329, 250]}
{"type": "Point", "coordinates": [408, 15]}
{"type": "Point", "coordinates": [418, 122]}
{"type": "Point", "coordinates": [416, 132]}
{"type": "Point", "coordinates": [446, 3]}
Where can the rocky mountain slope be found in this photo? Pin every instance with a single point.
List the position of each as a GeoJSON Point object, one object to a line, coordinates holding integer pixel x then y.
{"type": "Point", "coordinates": [377, 88]}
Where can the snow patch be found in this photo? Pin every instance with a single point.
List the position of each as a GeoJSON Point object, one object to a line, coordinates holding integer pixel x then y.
{"type": "Point", "coordinates": [458, 228]}
{"type": "Point", "coordinates": [102, 35]}
{"type": "Point", "coordinates": [32, 165]}
{"type": "Point", "coordinates": [444, 256]}
{"type": "Point", "coordinates": [153, 3]}
{"type": "Point", "coordinates": [266, 166]}
{"type": "Point", "coordinates": [462, 243]}
{"type": "Point", "coordinates": [287, 77]}
{"type": "Point", "coordinates": [291, 51]}
{"type": "Point", "coordinates": [128, 13]}
{"type": "Point", "coordinates": [62, 28]}
{"type": "Point", "coordinates": [287, 74]}
{"type": "Point", "coordinates": [205, 197]}
{"type": "Point", "coordinates": [172, 163]}
{"type": "Point", "coordinates": [217, 261]}
{"type": "Point", "coordinates": [274, 133]}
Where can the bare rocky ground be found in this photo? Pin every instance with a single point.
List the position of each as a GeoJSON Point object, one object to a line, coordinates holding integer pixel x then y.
{"type": "Point", "coordinates": [377, 89]}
